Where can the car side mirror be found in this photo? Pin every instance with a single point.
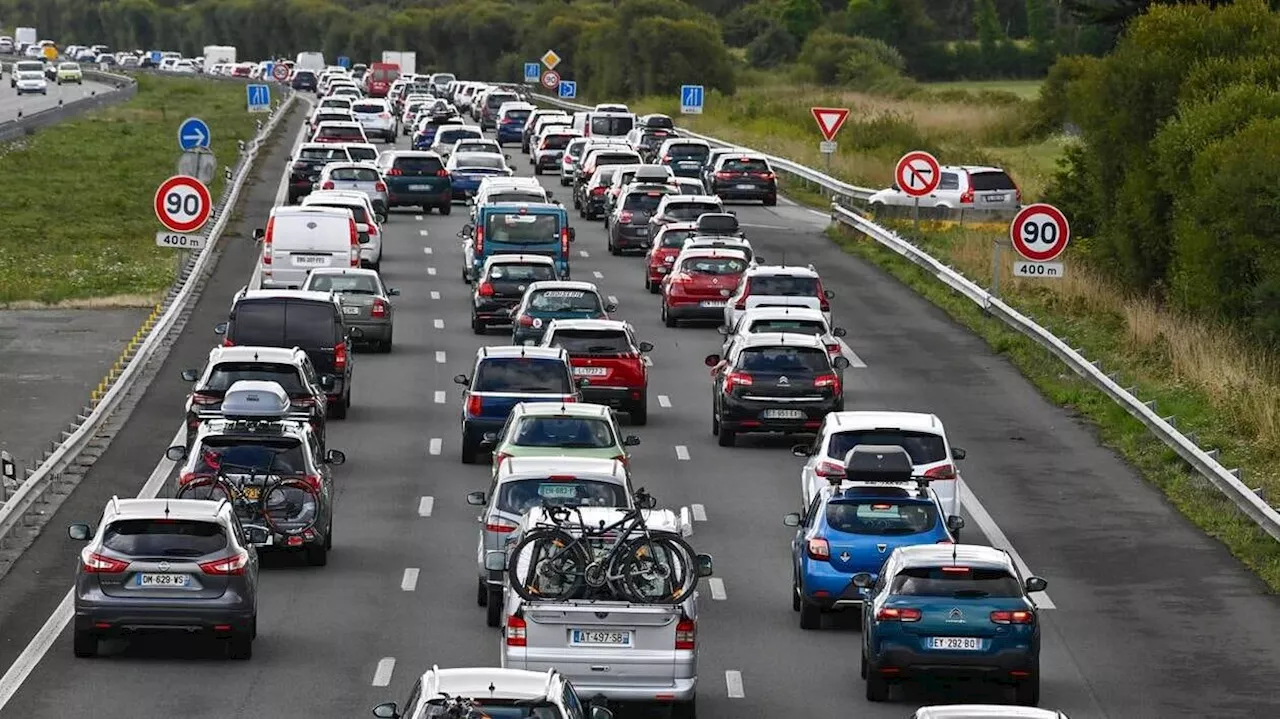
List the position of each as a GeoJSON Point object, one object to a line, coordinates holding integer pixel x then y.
{"type": "Point", "coordinates": [840, 362]}
{"type": "Point", "coordinates": [386, 711]}
{"type": "Point", "coordinates": [80, 532]}
{"type": "Point", "coordinates": [1036, 584]}
{"type": "Point", "coordinates": [573, 234]}
{"type": "Point", "coordinates": [792, 519]}
{"type": "Point", "coordinates": [631, 441]}
{"type": "Point", "coordinates": [759, 260]}
{"type": "Point", "coordinates": [611, 307]}
{"type": "Point", "coordinates": [550, 195]}
{"type": "Point", "coordinates": [800, 450]}
{"type": "Point", "coordinates": [258, 234]}
{"type": "Point", "coordinates": [711, 360]}
{"type": "Point", "coordinates": [393, 292]}
{"type": "Point", "coordinates": [190, 375]}
{"type": "Point", "coordinates": [583, 382]}
{"type": "Point", "coordinates": [723, 330]}
{"type": "Point", "coordinates": [356, 333]}
{"type": "Point", "coordinates": [335, 457]}
{"type": "Point", "coordinates": [601, 713]}
{"type": "Point", "coordinates": [829, 294]}
{"type": "Point", "coordinates": [706, 565]}
{"type": "Point", "coordinates": [958, 453]}
{"type": "Point", "coordinates": [326, 381]}
{"type": "Point", "coordinates": [648, 502]}
{"type": "Point", "coordinates": [839, 332]}
{"type": "Point", "coordinates": [220, 328]}
{"type": "Point", "coordinates": [645, 347]}
{"type": "Point", "coordinates": [955, 523]}
{"type": "Point", "coordinates": [495, 560]}
{"type": "Point", "coordinates": [256, 535]}
{"type": "Point", "coordinates": [461, 379]}
{"type": "Point", "coordinates": [863, 580]}
{"type": "Point", "coordinates": [476, 499]}
{"type": "Point", "coordinates": [176, 453]}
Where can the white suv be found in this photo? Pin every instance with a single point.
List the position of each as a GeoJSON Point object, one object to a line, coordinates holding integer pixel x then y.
{"type": "Point", "coordinates": [540, 694]}
{"type": "Point", "coordinates": [778, 286]}
{"type": "Point", "coordinates": [376, 117]}
{"type": "Point", "coordinates": [968, 187]}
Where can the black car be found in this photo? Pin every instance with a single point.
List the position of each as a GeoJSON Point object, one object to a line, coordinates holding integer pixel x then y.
{"type": "Point", "coordinates": [651, 140]}
{"type": "Point", "coordinates": [304, 170]}
{"type": "Point", "coordinates": [303, 80]}
{"type": "Point", "coordinates": [311, 321]}
{"type": "Point", "coordinates": [588, 197]}
{"type": "Point", "coordinates": [774, 383]}
{"type": "Point", "coordinates": [502, 284]}
{"type": "Point", "coordinates": [744, 177]}
{"type": "Point", "coordinates": [628, 225]}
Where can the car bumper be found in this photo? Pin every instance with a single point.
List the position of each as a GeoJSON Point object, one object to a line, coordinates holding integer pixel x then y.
{"type": "Point", "coordinates": [495, 312]}
{"type": "Point", "coordinates": [696, 310]}
{"type": "Point", "coordinates": [682, 690]}
{"type": "Point", "coordinates": [511, 135]}
{"type": "Point", "coordinates": [739, 191]}
{"type": "Point", "coordinates": [908, 662]}
{"type": "Point", "coordinates": [615, 397]}
{"type": "Point", "coordinates": [373, 331]}
{"type": "Point", "coordinates": [739, 415]}
{"type": "Point", "coordinates": [417, 197]}
{"type": "Point", "coordinates": [593, 204]}
{"type": "Point", "coordinates": [828, 589]}
{"type": "Point", "coordinates": [547, 160]}
{"type": "Point", "coordinates": [678, 686]}
{"type": "Point", "coordinates": [107, 618]}
{"type": "Point", "coordinates": [631, 237]}
{"type": "Point", "coordinates": [474, 428]}
{"type": "Point", "coordinates": [528, 335]}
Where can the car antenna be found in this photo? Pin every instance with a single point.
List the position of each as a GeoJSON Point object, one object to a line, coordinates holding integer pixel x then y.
{"type": "Point", "coordinates": [166, 507]}
{"type": "Point", "coordinates": [953, 554]}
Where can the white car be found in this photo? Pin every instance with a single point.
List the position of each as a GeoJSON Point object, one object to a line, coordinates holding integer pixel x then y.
{"type": "Point", "coordinates": [376, 118]}
{"type": "Point", "coordinates": [368, 221]}
{"type": "Point", "coordinates": [449, 135]}
{"type": "Point", "coordinates": [30, 81]}
{"type": "Point", "coordinates": [797, 320]}
{"type": "Point", "coordinates": [482, 145]}
{"type": "Point", "coordinates": [921, 435]}
{"type": "Point", "coordinates": [968, 187]}
{"type": "Point", "coordinates": [778, 286]}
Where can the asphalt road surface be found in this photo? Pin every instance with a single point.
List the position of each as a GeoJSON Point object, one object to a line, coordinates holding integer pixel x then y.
{"type": "Point", "coordinates": [11, 103]}
{"type": "Point", "coordinates": [1150, 617]}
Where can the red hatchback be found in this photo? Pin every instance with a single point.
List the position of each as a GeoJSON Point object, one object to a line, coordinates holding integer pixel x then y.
{"type": "Point", "coordinates": [666, 248]}
{"type": "Point", "coordinates": [700, 283]}
{"type": "Point", "coordinates": [606, 354]}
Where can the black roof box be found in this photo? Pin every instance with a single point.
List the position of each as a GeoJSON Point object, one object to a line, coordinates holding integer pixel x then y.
{"type": "Point", "coordinates": [878, 463]}
{"type": "Point", "coordinates": [718, 223]}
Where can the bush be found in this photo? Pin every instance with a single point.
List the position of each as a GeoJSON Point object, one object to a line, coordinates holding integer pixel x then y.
{"type": "Point", "coordinates": [773, 47]}
{"type": "Point", "coordinates": [824, 52]}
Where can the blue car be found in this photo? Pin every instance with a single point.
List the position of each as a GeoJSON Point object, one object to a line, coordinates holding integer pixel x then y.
{"type": "Point", "coordinates": [505, 376]}
{"type": "Point", "coordinates": [555, 300]}
{"type": "Point", "coordinates": [951, 611]}
{"type": "Point", "coordinates": [853, 525]}
{"type": "Point", "coordinates": [510, 126]}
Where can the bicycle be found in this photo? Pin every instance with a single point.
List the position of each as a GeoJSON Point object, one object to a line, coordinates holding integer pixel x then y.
{"type": "Point", "coordinates": [655, 567]}
{"type": "Point", "coordinates": [277, 503]}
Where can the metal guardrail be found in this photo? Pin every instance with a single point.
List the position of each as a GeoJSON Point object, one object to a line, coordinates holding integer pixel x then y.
{"type": "Point", "coordinates": [123, 88]}
{"type": "Point", "coordinates": [79, 437]}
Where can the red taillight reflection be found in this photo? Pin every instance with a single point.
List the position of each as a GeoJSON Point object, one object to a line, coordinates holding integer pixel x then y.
{"type": "Point", "coordinates": [898, 614]}
{"type": "Point", "coordinates": [95, 563]}
{"type": "Point", "coordinates": [475, 405]}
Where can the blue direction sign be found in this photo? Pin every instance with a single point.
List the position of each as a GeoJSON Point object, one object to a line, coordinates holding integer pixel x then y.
{"type": "Point", "coordinates": [193, 133]}
{"type": "Point", "coordinates": [691, 97]}
{"type": "Point", "coordinates": [532, 71]}
{"type": "Point", "coordinates": [568, 89]}
{"type": "Point", "coordinates": [344, 61]}
{"type": "Point", "coordinates": [259, 97]}
{"type": "Point", "coordinates": [156, 57]}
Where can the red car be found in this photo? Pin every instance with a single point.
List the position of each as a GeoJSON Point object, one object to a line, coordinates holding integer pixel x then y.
{"type": "Point", "coordinates": [663, 253]}
{"type": "Point", "coordinates": [700, 283]}
{"type": "Point", "coordinates": [607, 355]}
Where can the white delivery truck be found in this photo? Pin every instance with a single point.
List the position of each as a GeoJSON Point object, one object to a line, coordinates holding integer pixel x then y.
{"type": "Point", "coordinates": [218, 55]}
{"type": "Point", "coordinates": [313, 61]}
{"type": "Point", "coordinates": [408, 61]}
{"type": "Point", "coordinates": [24, 36]}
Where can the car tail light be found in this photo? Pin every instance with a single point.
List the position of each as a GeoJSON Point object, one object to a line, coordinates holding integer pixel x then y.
{"type": "Point", "coordinates": [267, 238]}
{"type": "Point", "coordinates": [944, 471]}
{"type": "Point", "coordinates": [479, 234]}
{"type": "Point", "coordinates": [517, 635]}
{"type": "Point", "coordinates": [625, 217]}
{"type": "Point", "coordinates": [569, 398]}
{"type": "Point", "coordinates": [442, 173]}
{"type": "Point", "coordinates": [355, 242]}
{"type": "Point", "coordinates": [819, 548]}
{"type": "Point", "coordinates": [395, 172]}
{"type": "Point", "coordinates": [567, 159]}
{"type": "Point", "coordinates": [597, 190]}
{"type": "Point", "coordinates": [226, 567]}
{"type": "Point", "coordinates": [736, 379]}
{"type": "Point", "coordinates": [833, 349]}
{"type": "Point", "coordinates": [966, 197]}
{"type": "Point", "coordinates": [475, 405]}
{"type": "Point", "coordinates": [303, 401]}
{"type": "Point", "coordinates": [722, 175]}
{"type": "Point", "coordinates": [507, 121]}
{"type": "Point", "coordinates": [373, 230]}
{"type": "Point", "coordinates": [765, 175]}
{"type": "Point", "coordinates": [666, 158]}
{"type": "Point", "coordinates": [898, 614]}
{"type": "Point", "coordinates": [686, 633]}
{"type": "Point", "coordinates": [379, 186]}
{"type": "Point", "coordinates": [1017, 616]}
{"type": "Point", "coordinates": [827, 468]}
{"type": "Point", "coordinates": [201, 399]}
{"type": "Point", "coordinates": [485, 289]}
{"type": "Point", "coordinates": [340, 355]}
{"type": "Point", "coordinates": [827, 380]}
{"type": "Point", "coordinates": [498, 459]}
{"type": "Point", "coordinates": [526, 321]}
{"type": "Point", "coordinates": [95, 563]}
{"type": "Point", "coordinates": [564, 241]}
{"type": "Point", "coordinates": [384, 115]}
{"type": "Point", "coordinates": [497, 524]}
{"type": "Point", "coordinates": [379, 309]}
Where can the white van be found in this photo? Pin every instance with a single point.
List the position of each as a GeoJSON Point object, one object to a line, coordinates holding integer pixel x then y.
{"type": "Point", "coordinates": [300, 239]}
{"type": "Point", "coordinates": [313, 61]}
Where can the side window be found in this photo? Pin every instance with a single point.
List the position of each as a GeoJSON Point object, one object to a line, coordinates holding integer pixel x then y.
{"type": "Point", "coordinates": [812, 511]}
{"type": "Point", "coordinates": [949, 181]}
{"type": "Point", "coordinates": [572, 704]}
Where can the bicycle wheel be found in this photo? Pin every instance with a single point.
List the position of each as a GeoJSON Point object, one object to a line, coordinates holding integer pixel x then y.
{"type": "Point", "coordinates": [290, 506]}
{"type": "Point", "coordinates": [659, 568]}
{"type": "Point", "coordinates": [208, 488]}
{"type": "Point", "coordinates": [547, 564]}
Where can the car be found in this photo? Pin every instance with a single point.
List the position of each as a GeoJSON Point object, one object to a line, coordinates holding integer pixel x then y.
{"type": "Point", "coordinates": [467, 169]}
{"type": "Point", "coordinates": [410, 114]}
{"type": "Point", "coordinates": [368, 221]}
{"type": "Point", "coordinates": [483, 146]}
{"type": "Point", "coordinates": [504, 376]}
{"type": "Point", "coordinates": [851, 524]}
{"type": "Point", "coordinates": [303, 80]}
{"type": "Point", "coordinates": [489, 105]}
{"type": "Point", "coordinates": [425, 127]}
{"type": "Point", "coordinates": [665, 247]}
{"type": "Point", "coordinates": [647, 140]}
{"type": "Point", "coordinates": [345, 131]}
{"type": "Point", "coordinates": [628, 227]}
{"type": "Point", "coordinates": [548, 148]}
{"type": "Point", "coordinates": [69, 72]}
{"type": "Point", "coordinates": [448, 135]}
{"type": "Point", "coordinates": [548, 430]}
{"type": "Point", "coordinates": [330, 115]}
{"type": "Point", "coordinates": [555, 300]}
{"type": "Point", "coordinates": [801, 320]}
{"type": "Point", "coordinates": [376, 118]}
{"type": "Point", "coordinates": [416, 179]}
{"type": "Point", "coordinates": [331, 104]}
{"type": "Point", "coordinates": [601, 155]}
{"type": "Point", "coordinates": [501, 286]}
{"type": "Point", "coordinates": [688, 186]}
{"type": "Point", "coordinates": [502, 692]}
{"type": "Point", "coordinates": [744, 177]}
{"type": "Point", "coordinates": [985, 711]}
{"type": "Point", "coordinates": [362, 177]}
{"type": "Point", "coordinates": [921, 434]}
{"type": "Point", "coordinates": [179, 566]}
{"type": "Point", "coordinates": [361, 151]}
{"type": "Point", "coordinates": [511, 120]}
{"type": "Point", "coordinates": [345, 89]}
{"type": "Point", "coordinates": [699, 284]}
{"type": "Point", "coordinates": [683, 155]}
{"type": "Point", "coordinates": [714, 156]}
{"type": "Point", "coordinates": [778, 286]}
{"type": "Point", "coordinates": [366, 301]}
{"type": "Point", "coordinates": [940, 610]}
{"type": "Point", "coordinates": [516, 228]}
{"type": "Point", "coordinates": [569, 158]}
{"type": "Point", "coordinates": [683, 208]}
{"type": "Point", "coordinates": [496, 189]}
{"type": "Point", "coordinates": [607, 354]}
{"type": "Point", "coordinates": [774, 383]}
{"type": "Point", "coordinates": [650, 176]}
{"type": "Point", "coordinates": [29, 81]}
{"type": "Point", "coordinates": [969, 187]}
{"type": "Point", "coordinates": [588, 197]}
{"type": "Point", "coordinates": [532, 127]}
{"type": "Point", "coordinates": [609, 121]}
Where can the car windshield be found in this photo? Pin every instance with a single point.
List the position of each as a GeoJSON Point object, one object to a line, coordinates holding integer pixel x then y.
{"type": "Point", "coordinates": [690, 210]}
{"type": "Point", "coordinates": [566, 432]}
{"type": "Point", "coordinates": [988, 181]}
{"type": "Point", "coordinates": [226, 374]}
{"type": "Point", "coordinates": [643, 201]}
{"type": "Point", "coordinates": [714, 265]}
{"type": "Point", "coordinates": [881, 516]}
{"type": "Point", "coordinates": [565, 301]}
{"type": "Point", "coordinates": [327, 154]}
{"type": "Point", "coordinates": [355, 174]}
{"type": "Point", "coordinates": [785, 360]}
{"type": "Point", "coordinates": [522, 495]}
{"type": "Point", "coordinates": [279, 456]}
{"type": "Point", "coordinates": [924, 447]}
{"type": "Point", "coordinates": [745, 164]}
{"type": "Point", "coordinates": [353, 284]}
{"type": "Point", "coordinates": [956, 582]}
{"type": "Point", "coordinates": [801, 327]}
{"type": "Point", "coordinates": [676, 238]}
{"type": "Point", "coordinates": [283, 324]}
{"type": "Point", "coordinates": [164, 537]}
{"type": "Point", "coordinates": [689, 151]}
{"type": "Point", "coordinates": [592, 342]}
{"type": "Point", "coordinates": [784, 285]}
{"type": "Point", "coordinates": [612, 125]}
{"type": "Point", "coordinates": [522, 374]}
{"type": "Point", "coordinates": [515, 228]}
{"type": "Point", "coordinates": [522, 273]}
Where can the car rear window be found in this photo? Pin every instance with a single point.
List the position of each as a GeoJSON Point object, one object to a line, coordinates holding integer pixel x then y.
{"type": "Point", "coordinates": [164, 537]}
{"type": "Point", "coordinates": [690, 210]}
{"type": "Point", "coordinates": [687, 152]}
{"type": "Point", "coordinates": [615, 158]}
{"type": "Point", "coordinates": [517, 196]}
{"type": "Point", "coordinates": [644, 201]}
{"type": "Point", "coordinates": [948, 582]}
{"type": "Point", "coordinates": [566, 432]}
{"type": "Point", "coordinates": [784, 285]}
{"type": "Point", "coordinates": [512, 227]}
{"type": "Point", "coordinates": [495, 100]}
{"type": "Point", "coordinates": [368, 108]}
{"type": "Point", "coordinates": [418, 165]}
{"type": "Point", "coordinates": [480, 161]}
{"type": "Point", "coordinates": [385, 74]}
{"type": "Point", "coordinates": [447, 136]}
{"type": "Point", "coordinates": [521, 273]}
{"type": "Point", "coordinates": [656, 121]}
{"type": "Point", "coordinates": [611, 126]}
{"type": "Point", "coordinates": [522, 495]}
{"type": "Point", "coordinates": [518, 115]}
{"type": "Point", "coordinates": [327, 154]}
{"type": "Point", "coordinates": [228, 373]}
{"type": "Point", "coordinates": [343, 133]}
{"type": "Point", "coordinates": [353, 284]}
{"type": "Point", "coordinates": [675, 238]}
{"type": "Point", "coordinates": [593, 342]}
{"type": "Point", "coordinates": [881, 516]}
{"type": "Point", "coordinates": [363, 154]}
{"type": "Point", "coordinates": [522, 374]}
{"type": "Point", "coordinates": [574, 148]}
{"type": "Point", "coordinates": [805, 327]}
{"type": "Point", "coordinates": [924, 448]}
{"type": "Point", "coordinates": [356, 210]}
{"type": "Point", "coordinates": [556, 142]}
{"type": "Point", "coordinates": [786, 360]}
{"type": "Point", "coordinates": [714, 266]}
{"type": "Point", "coordinates": [282, 456]}
{"type": "Point", "coordinates": [745, 164]}
{"type": "Point", "coordinates": [283, 324]}
{"type": "Point", "coordinates": [565, 301]}
{"type": "Point", "coordinates": [982, 181]}
{"type": "Point", "coordinates": [338, 116]}
{"type": "Point", "coordinates": [355, 174]}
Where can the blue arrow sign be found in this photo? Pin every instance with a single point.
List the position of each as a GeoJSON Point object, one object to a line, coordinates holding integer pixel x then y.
{"type": "Point", "coordinates": [568, 89]}
{"type": "Point", "coordinates": [691, 98]}
{"type": "Point", "coordinates": [193, 133]}
{"type": "Point", "coordinates": [344, 61]}
{"type": "Point", "coordinates": [259, 97]}
{"type": "Point", "coordinates": [532, 71]}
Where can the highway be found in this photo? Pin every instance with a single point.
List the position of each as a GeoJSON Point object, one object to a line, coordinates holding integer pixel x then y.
{"type": "Point", "coordinates": [11, 103]}
{"type": "Point", "coordinates": [1149, 617]}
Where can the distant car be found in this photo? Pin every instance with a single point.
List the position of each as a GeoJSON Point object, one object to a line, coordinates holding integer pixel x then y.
{"type": "Point", "coordinates": [665, 247]}
{"type": "Point", "coordinates": [744, 177]}
{"type": "Point", "coordinates": [467, 169]}
{"type": "Point", "coordinates": [699, 284]}
{"type": "Point", "coordinates": [546, 429]}
{"type": "Point", "coordinates": [540, 695]}
{"type": "Point", "coordinates": [416, 178]}
{"type": "Point", "coordinates": [360, 177]}
{"type": "Point", "coordinates": [969, 187]}
{"type": "Point", "coordinates": [501, 285]}
{"type": "Point", "coordinates": [69, 72]}
{"type": "Point", "coordinates": [366, 301]}
{"type": "Point", "coordinates": [376, 118]}
{"type": "Point", "coordinates": [556, 300]}
{"type": "Point", "coordinates": [30, 82]}
{"type": "Point", "coordinates": [368, 221]}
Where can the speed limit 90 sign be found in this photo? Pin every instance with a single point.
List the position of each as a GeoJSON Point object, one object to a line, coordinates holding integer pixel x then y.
{"type": "Point", "coordinates": [1040, 232]}
{"type": "Point", "coordinates": [183, 204]}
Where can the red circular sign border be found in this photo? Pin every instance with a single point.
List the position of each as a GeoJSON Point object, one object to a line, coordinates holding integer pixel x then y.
{"type": "Point", "coordinates": [918, 155]}
{"type": "Point", "coordinates": [542, 80]}
{"type": "Point", "coordinates": [279, 76]}
{"type": "Point", "coordinates": [1015, 232]}
{"type": "Point", "coordinates": [207, 199]}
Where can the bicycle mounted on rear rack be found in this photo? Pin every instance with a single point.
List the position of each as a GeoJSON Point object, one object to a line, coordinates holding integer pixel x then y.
{"type": "Point", "coordinates": [284, 506]}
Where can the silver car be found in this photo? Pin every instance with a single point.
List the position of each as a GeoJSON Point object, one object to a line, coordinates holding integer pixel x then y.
{"type": "Point", "coordinates": [967, 187]}
{"type": "Point", "coordinates": [358, 177]}
{"type": "Point", "coordinates": [167, 565]}
{"type": "Point", "coordinates": [366, 302]}
{"type": "Point", "coordinates": [376, 118]}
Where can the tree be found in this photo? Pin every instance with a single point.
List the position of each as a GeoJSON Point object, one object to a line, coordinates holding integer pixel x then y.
{"type": "Point", "coordinates": [1039, 27]}
{"type": "Point", "coordinates": [1120, 12]}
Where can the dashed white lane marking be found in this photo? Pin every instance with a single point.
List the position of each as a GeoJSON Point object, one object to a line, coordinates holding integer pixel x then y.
{"type": "Point", "coordinates": [431, 271]}
{"type": "Point", "coordinates": [440, 356]}
{"type": "Point", "coordinates": [382, 675]}
{"type": "Point", "coordinates": [425, 505]}
{"type": "Point", "coordinates": [597, 274]}
{"type": "Point", "coordinates": [438, 324]}
{"type": "Point", "coordinates": [613, 300]}
{"type": "Point", "coordinates": [424, 234]}
{"type": "Point", "coordinates": [854, 359]}
{"type": "Point", "coordinates": [682, 452]}
{"type": "Point", "coordinates": [441, 396]}
{"type": "Point", "coordinates": [732, 680]}
{"type": "Point", "coordinates": [717, 588]}
{"type": "Point", "coordinates": [435, 295]}
{"type": "Point", "coordinates": [988, 525]}
{"type": "Point", "coordinates": [435, 446]}
{"type": "Point", "coordinates": [426, 250]}
{"type": "Point", "coordinates": [664, 401]}
{"type": "Point", "coordinates": [699, 512]}
{"type": "Point", "coordinates": [418, 218]}
{"type": "Point", "coordinates": [583, 253]}
{"type": "Point", "coordinates": [409, 581]}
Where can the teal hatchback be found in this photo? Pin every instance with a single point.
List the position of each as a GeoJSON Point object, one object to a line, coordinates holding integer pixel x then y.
{"type": "Point", "coordinates": [416, 179]}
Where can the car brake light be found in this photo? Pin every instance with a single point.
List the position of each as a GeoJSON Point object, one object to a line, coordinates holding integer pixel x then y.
{"type": "Point", "coordinates": [516, 632]}
{"type": "Point", "coordinates": [827, 468]}
{"type": "Point", "coordinates": [819, 548]}
{"type": "Point", "coordinates": [944, 471]}
{"type": "Point", "coordinates": [827, 380]}
{"type": "Point", "coordinates": [897, 614]}
{"type": "Point", "coordinates": [955, 570]}
{"type": "Point", "coordinates": [485, 289]}
{"type": "Point", "coordinates": [379, 186]}
{"type": "Point", "coordinates": [497, 524]}
{"type": "Point", "coordinates": [507, 121]}
{"type": "Point", "coordinates": [475, 405]}
{"type": "Point", "coordinates": [340, 356]}
{"type": "Point", "coordinates": [564, 241]}
{"type": "Point", "coordinates": [666, 158]}
{"type": "Point", "coordinates": [741, 379]}
{"type": "Point", "coordinates": [625, 216]}
{"type": "Point", "coordinates": [379, 309]}
{"type": "Point", "coordinates": [95, 563]}
{"type": "Point", "coordinates": [526, 321]}
{"type": "Point", "coordinates": [567, 159]}
{"type": "Point", "coordinates": [395, 172]}
{"type": "Point", "coordinates": [597, 191]}
{"type": "Point", "coordinates": [722, 175]}
{"type": "Point", "coordinates": [442, 173]}
{"type": "Point", "coordinates": [833, 349]}
{"type": "Point", "coordinates": [498, 459]}
{"type": "Point", "coordinates": [479, 251]}
{"type": "Point", "coordinates": [267, 237]}
{"type": "Point", "coordinates": [1017, 616]}
{"type": "Point", "coordinates": [966, 197]}
{"type": "Point", "coordinates": [686, 634]}
{"type": "Point", "coordinates": [765, 175]}
{"type": "Point", "coordinates": [226, 567]}
{"type": "Point", "coordinates": [201, 399]}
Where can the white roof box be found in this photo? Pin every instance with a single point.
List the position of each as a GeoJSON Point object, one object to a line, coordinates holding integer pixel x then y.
{"type": "Point", "coordinates": [254, 399]}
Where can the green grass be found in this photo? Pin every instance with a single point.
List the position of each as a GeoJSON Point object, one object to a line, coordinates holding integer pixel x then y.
{"type": "Point", "coordinates": [1025, 89]}
{"type": "Point", "coordinates": [78, 224]}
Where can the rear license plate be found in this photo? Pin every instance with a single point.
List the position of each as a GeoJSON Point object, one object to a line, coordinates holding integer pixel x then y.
{"type": "Point", "coordinates": [713, 303]}
{"type": "Point", "coordinates": [746, 187]}
{"type": "Point", "coordinates": [311, 260]}
{"type": "Point", "coordinates": [420, 188]}
{"type": "Point", "coordinates": [589, 637]}
{"type": "Point", "coordinates": [250, 492]}
{"type": "Point", "coordinates": [351, 310]}
{"type": "Point", "coordinates": [163, 580]}
{"type": "Point", "coordinates": [994, 198]}
{"type": "Point", "coordinates": [688, 164]}
{"type": "Point", "coordinates": [783, 414]}
{"type": "Point", "coordinates": [591, 371]}
{"type": "Point", "coordinates": [641, 231]}
{"type": "Point", "coordinates": [963, 644]}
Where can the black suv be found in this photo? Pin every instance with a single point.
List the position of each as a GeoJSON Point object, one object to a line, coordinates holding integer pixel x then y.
{"type": "Point", "coordinates": [311, 321]}
{"type": "Point", "coordinates": [776, 383]}
{"type": "Point", "coordinates": [305, 169]}
{"type": "Point", "coordinates": [303, 80]}
{"type": "Point", "coordinates": [502, 284]}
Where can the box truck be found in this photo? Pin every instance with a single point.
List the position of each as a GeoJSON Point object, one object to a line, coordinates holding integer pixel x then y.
{"type": "Point", "coordinates": [217, 55]}
{"type": "Point", "coordinates": [408, 61]}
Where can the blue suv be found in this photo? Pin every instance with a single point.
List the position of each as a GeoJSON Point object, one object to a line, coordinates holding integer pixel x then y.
{"type": "Point", "coordinates": [853, 525]}
{"type": "Point", "coordinates": [951, 611]}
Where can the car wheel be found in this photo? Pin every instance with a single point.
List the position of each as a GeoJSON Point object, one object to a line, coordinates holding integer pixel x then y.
{"type": "Point", "coordinates": [1027, 691]}
{"type": "Point", "coordinates": [795, 595]}
{"type": "Point", "coordinates": [563, 182]}
{"type": "Point", "coordinates": [446, 208]}
{"type": "Point", "coordinates": [482, 592]}
{"type": "Point", "coordinates": [771, 200]}
{"type": "Point", "coordinates": [810, 615]}
{"type": "Point", "coordinates": [317, 556]}
{"type": "Point", "coordinates": [685, 710]}
{"type": "Point", "coordinates": [493, 610]}
{"type": "Point", "coordinates": [384, 347]}
{"type": "Point", "coordinates": [863, 670]}
{"type": "Point", "coordinates": [328, 540]}
{"type": "Point", "coordinates": [478, 325]}
{"type": "Point", "coordinates": [727, 438]}
{"type": "Point", "coordinates": [84, 644]}
{"type": "Point", "coordinates": [240, 646]}
{"type": "Point", "coordinates": [469, 451]}
{"type": "Point", "coordinates": [640, 410]}
{"type": "Point", "coordinates": [877, 687]}
{"type": "Point", "coordinates": [667, 319]}
{"type": "Point", "coordinates": [537, 170]}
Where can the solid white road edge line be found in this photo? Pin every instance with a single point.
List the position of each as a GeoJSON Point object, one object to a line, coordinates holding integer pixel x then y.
{"type": "Point", "coordinates": [849, 354]}
{"type": "Point", "coordinates": [733, 681]}
{"type": "Point", "coordinates": [682, 453]}
{"type": "Point", "coordinates": [699, 512]}
{"type": "Point", "coordinates": [382, 675]}
{"type": "Point", "coordinates": [409, 581]}
{"type": "Point", "coordinates": [664, 401]}
{"type": "Point", "coordinates": [988, 525]}
{"type": "Point", "coordinates": [435, 446]}
{"type": "Point", "coordinates": [717, 589]}
{"type": "Point", "coordinates": [425, 505]}
{"type": "Point", "coordinates": [440, 396]}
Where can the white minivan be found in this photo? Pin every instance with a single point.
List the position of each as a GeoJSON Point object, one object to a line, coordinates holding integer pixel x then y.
{"type": "Point", "coordinates": [300, 239]}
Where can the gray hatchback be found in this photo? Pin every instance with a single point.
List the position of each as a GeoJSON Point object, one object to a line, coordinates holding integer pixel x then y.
{"type": "Point", "coordinates": [167, 565]}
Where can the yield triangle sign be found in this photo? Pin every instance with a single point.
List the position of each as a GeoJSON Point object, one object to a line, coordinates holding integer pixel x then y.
{"type": "Point", "coordinates": [830, 120]}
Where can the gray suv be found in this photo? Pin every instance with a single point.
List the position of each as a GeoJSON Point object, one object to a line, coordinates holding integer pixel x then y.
{"type": "Point", "coordinates": [167, 565]}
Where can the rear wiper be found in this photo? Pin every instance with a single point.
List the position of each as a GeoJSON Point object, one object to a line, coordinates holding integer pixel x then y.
{"type": "Point", "coordinates": [357, 292]}
{"type": "Point", "coordinates": [182, 552]}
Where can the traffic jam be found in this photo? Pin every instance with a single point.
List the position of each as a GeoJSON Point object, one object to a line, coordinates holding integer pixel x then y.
{"type": "Point", "coordinates": [592, 587]}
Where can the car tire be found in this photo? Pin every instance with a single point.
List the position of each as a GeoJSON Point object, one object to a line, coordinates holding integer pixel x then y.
{"type": "Point", "coordinates": [478, 326]}
{"type": "Point", "coordinates": [667, 318]}
{"type": "Point", "coordinates": [685, 710]}
{"type": "Point", "coordinates": [1027, 691]}
{"type": "Point", "coordinates": [795, 594]}
{"type": "Point", "coordinates": [536, 169]}
{"type": "Point", "coordinates": [877, 687]}
{"type": "Point", "coordinates": [84, 644]}
{"type": "Point", "coordinates": [863, 669]}
{"type": "Point", "coordinates": [640, 410]}
{"type": "Point", "coordinates": [493, 610]}
{"type": "Point", "coordinates": [482, 593]}
{"type": "Point", "coordinates": [317, 556]}
{"type": "Point", "coordinates": [446, 208]}
{"type": "Point", "coordinates": [469, 452]}
{"type": "Point", "coordinates": [810, 614]}
{"type": "Point", "coordinates": [771, 200]}
{"type": "Point", "coordinates": [727, 438]}
{"type": "Point", "coordinates": [384, 347]}
{"type": "Point", "coordinates": [240, 645]}
{"type": "Point", "coordinates": [338, 410]}
{"type": "Point", "coordinates": [328, 544]}
{"type": "Point", "coordinates": [563, 182]}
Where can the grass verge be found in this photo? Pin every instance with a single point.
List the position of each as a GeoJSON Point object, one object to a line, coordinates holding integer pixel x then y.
{"type": "Point", "coordinates": [78, 226]}
{"type": "Point", "coordinates": [1169, 359]}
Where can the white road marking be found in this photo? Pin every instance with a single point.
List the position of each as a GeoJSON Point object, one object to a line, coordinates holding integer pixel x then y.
{"type": "Point", "coordinates": [764, 227]}
{"type": "Point", "coordinates": [823, 215]}
{"type": "Point", "coordinates": [440, 356]}
{"type": "Point", "coordinates": [664, 401]}
{"type": "Point", "coordinates": [732, 680]}
{"type": "Point", "coordinates": [584, 253]}
{"type": "Point", "coordinates": [424, 234]}
{"type": "Point", "coordinates": [854, 360]}
{"type": "Point", "coordinates": [431, 271]}
{"type": "Point", "coordinates": [717, 589]}
{"type": "Point", "coordinates": [382, 675]}
{"type": "Point", "coordinates": [435, 446]}
{"type": "Point", "coordinates": [418, 218]}
{"type": "Point", "coordinates": [438, 324]}
{"type": "Point", "coordinates": [409, 581]}
{"type": "Point", "coordinates": [596, 274]}
{"type": "Point", "coordinates": [435, 295]}
{"type": "Point", "coordinates": [425, 505]}
{"type": "Point", "coordinates": [969, 501]}
{"type": "Point", "coordinates": [612, 299]}
{"type": "Point", "coordinates": [426, 250]}
{"type": "Point", "coordinates": [441, 396]}
{"type": "Point", "coordinates": [682, 453]}
{"type": "Point", "coordinates": [699, 512]}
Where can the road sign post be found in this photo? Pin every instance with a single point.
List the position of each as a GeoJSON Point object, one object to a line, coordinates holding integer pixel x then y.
{"type": "Point", "coordinates": [183, 204]}
{"type": "Point", "coordinates": [692, 98]}
{"type": "Point", "coordinates": [198, 163]}
{"type": "Point", "coordinates": [551, 80]}
{"type": "Point", "coordinates": [568, 89]}
{"type": "Point", "coordinates": [193, 133]}
{"type": "Point", "coordinates": [532, 73]}
{"type": "Point", "coordinates": [917, 174]}
{"type": "Point", "coordinates": [258, 97]}
{"type": "Point", "coordinates": [1039, 233]}
{"type": "Point", "coordinates": [550, 59]}
{"type": "Point", "coordinates": [830, 120]}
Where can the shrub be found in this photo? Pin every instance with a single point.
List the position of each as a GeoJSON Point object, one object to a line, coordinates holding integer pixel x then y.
{"type": "Point", "coordinates": [773, 47]}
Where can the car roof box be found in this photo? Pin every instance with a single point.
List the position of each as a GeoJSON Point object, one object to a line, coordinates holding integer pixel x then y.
{"type": "Point", "coordinates": [878, 463]}
{"type": "Point", "coordinates": [253, 399]}
{"type": "Point", "coordinates": [718, 223]}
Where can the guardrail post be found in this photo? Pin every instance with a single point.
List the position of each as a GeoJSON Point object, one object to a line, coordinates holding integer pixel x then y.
{"type": "Point", "coordinates": [995, 259]}
{"type": "Point", "coordinates": [8, 475]}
